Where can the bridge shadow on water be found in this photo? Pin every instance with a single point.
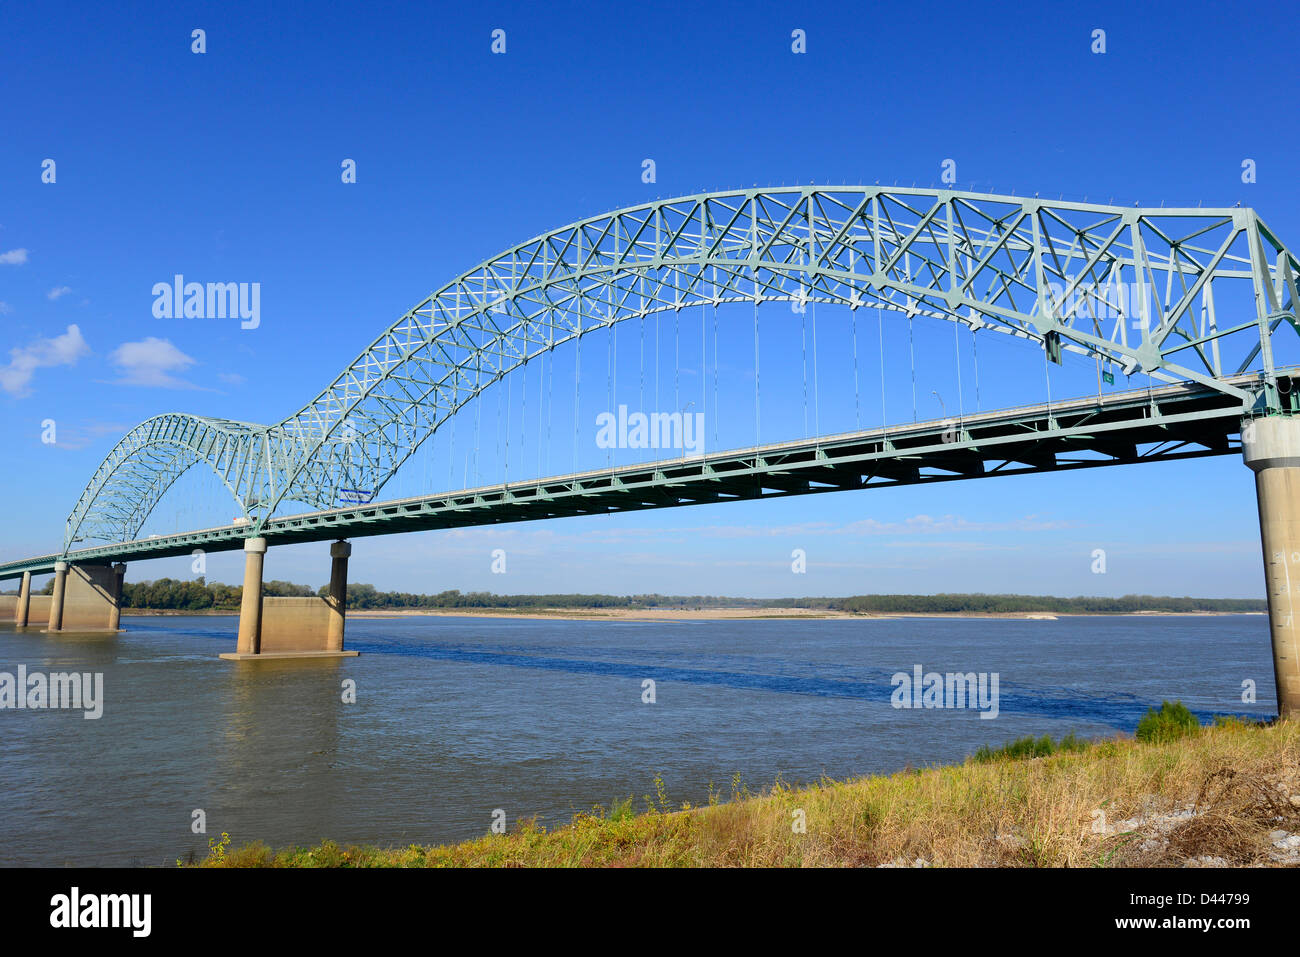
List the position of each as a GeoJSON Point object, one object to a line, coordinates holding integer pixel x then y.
{"type": "Point", "coordinates": [1119, 710]}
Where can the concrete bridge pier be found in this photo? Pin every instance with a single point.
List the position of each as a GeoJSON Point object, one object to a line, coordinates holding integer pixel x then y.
{"type": "Point", "coordinates": [56, 603]}
{"type": "Point", "coordinates": [280, 627]}
{"type": "Point", "coordinates": [87, 598]}
{"type": "Point", "coordinates": [24, 608]}
{"type": "Point", "coordinates": [30, 610]}
{"type": "Point", "coordinates": [1271, 447]}
{"type": "Point", "coordinates": [115, 609]}
{"type": "Point", "coordinates": [338, 596]}
{"type": "Point", "coordinates": [250, 607]}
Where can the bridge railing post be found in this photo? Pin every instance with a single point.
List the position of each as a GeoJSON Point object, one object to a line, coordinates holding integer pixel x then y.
{"type": "Point", "coordinates": [250, 607]}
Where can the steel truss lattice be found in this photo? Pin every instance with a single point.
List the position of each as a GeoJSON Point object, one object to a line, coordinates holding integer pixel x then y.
{"type": "Point", "coordinates": [1028, 268]}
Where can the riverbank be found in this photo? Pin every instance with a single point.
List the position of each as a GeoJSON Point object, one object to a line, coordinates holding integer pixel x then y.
{"type": "Point", "coordinates": [1227, 796]}
{"type": "Point", "coordinates": [689, 614]}
{"type": "Point", "coordinates": [725, 614]}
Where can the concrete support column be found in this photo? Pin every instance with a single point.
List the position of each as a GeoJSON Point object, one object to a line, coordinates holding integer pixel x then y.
{"type": "Point", "coordinates": [24, 607]}
{"type": "Point", "coordinates": [338, 596]}
{"type": "Point", "coordinates": [56, 603]}
{"type": "Point", "coordinates": [115, 613]}
{"type": "Point", "coordinates": [250, 609]}
{"type": "Point", "coordinates": [1271, 447]}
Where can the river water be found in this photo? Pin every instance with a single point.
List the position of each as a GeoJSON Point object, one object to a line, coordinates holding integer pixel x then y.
{"type": "Point", "coordinates": [457, 718]}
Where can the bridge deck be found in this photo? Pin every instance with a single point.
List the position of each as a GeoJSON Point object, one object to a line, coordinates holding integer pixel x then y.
{"type": "Point", "coordinates": [1185, 420]}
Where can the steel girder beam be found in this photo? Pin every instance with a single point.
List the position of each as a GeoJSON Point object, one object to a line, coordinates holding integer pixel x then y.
{"type": "Point", "coordinates": [1030, 268]}
{"type": "Point", "coordinates": [1171, 422]}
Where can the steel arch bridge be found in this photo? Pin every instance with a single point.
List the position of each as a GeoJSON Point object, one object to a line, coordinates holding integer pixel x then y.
{"type": "Point", "coordinates": [1028, 268]}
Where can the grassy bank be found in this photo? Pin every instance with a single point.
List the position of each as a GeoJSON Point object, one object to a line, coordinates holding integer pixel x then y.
{"type": "Point", "coordinates": [1220, 796]}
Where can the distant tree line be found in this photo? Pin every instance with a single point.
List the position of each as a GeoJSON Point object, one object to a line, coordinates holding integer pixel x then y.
{"type": "Point", "coordinates": [940, 604]}
{"type": "Point", "coordinates": [367, 596]}
{"type": "Point", "coordinates": [198, 595]}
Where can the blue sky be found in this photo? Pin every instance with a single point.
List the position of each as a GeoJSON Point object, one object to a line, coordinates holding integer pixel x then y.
{"type": "Point", "coordinates": [225, 166]}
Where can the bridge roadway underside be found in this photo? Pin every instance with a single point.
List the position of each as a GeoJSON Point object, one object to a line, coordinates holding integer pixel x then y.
{"type": "Point", "coordinates": [1166, 423]}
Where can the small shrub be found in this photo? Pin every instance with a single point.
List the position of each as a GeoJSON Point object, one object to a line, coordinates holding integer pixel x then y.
{"type": "Point", "coordinates": [1073, 743]}
{"type": "Point", "coordinates": [217, 850]}
{"type": "Point", "coordinates": [256, 854]}
{"type": "Point", "coordinates": [661, 794]}
{"type": "Point", "coordinates": [1030, 747]}
{"type": "Point", "coordinates": [1171, 722]}
{"type": "Point", "coordinates": [1232, 722]}
{"type": "Point", "coordinates": [1019, 749]}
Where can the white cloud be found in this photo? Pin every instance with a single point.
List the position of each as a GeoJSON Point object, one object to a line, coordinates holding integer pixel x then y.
{"type": "Point", "coordinates": [5, 308]}
{"type": "Point", "coordinates": [62, 350]}
{"type": "Point", "coordinates": [58, 291]}
{"type": "Point", "coordinates": [231, 378]}
{"type": "Point", "coordinates": [15, 257]}
{"type": "Point", "coordinates": [151, 362]}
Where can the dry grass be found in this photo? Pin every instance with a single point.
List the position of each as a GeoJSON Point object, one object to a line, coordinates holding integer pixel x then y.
{"type": "Point", "coordinates": [1217, 794]}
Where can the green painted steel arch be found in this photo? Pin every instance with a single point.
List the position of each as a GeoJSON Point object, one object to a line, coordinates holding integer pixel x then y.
{"type": "Point", "coordinates": [1018, 266]}
{"type": "Point", "coordinates": [148, 460]}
